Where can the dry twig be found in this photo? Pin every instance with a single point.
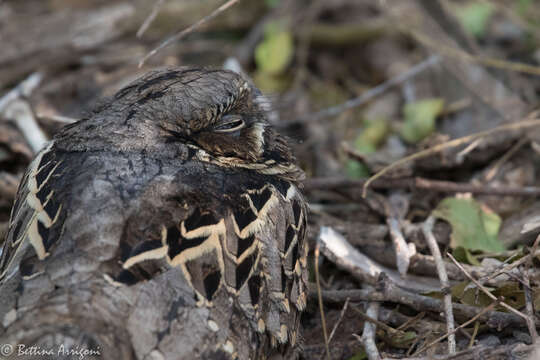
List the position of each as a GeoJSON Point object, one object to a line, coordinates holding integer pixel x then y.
{"type": "Point", "coordinates": [529, 305]}
{"type": "Point", "coordinates": [372, 93]}
{"type": "Point", "coordinates": [24, 89]}
{"type": "Point", "coordinates": [335, 247]}
{"type": "Point", "coordinates": [368, 335]}
{"type": "Point", "coordinates": [486, 291]}
{"type": "Point", "coordinates": [520, 125]}
{"type": "Point", "coordinates": [338, 321]}
{"type": "Point", "coordinates": [396, 208]}
{"type": "Point", "coordinates": [321, 308]}
{"type": "Point", "coordinates": [434, 248]}
{"type": "Point", "coordinates": [388, 291]}
{"type": "Point", "coordinates": [483, 352]}
{"type": "Point", "coordinates": [188, 30]}
{"type": "Point", "coordinates": [452, 333]}
{"type": "Point", "coordinates": [150, 18]}
{"type": "Point", "coordinates": [330, 183]}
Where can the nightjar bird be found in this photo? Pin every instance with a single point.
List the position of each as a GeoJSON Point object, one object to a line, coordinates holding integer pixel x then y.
{"type": "Point", "coordinates": [166, 225]}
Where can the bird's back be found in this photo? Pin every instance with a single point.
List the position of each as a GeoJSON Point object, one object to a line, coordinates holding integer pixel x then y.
{"type": "Point", "coordinates": [154, 254]}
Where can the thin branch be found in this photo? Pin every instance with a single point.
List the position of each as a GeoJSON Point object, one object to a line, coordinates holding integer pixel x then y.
{"type": "Point", "coordinates": [336, 248]}
{"type": "Point", "coordinates": [427, 229]}
{"type": "Point", "coordinates": [57, 118]}
{"type": "Point", "coordinates": [474, 334]}
{"type": "Point", "coordinates": [481, 352]}
{"type": "Point", "coordinates": [388, 291]}
{"type": "Point", "coordinates": [488, 308]}
{"type": "Point", "coordinates": [325, 183]}
{"type": "Point", "coordinates": [150, 18]}
{"type": "Point", "coordinates": [24, 89]}
{"type": "Point", "coordinates": [339, 320]}
{"type": "Point", "coordinates": [529, 304]}
{"type": "Point", "coordinates": [373, 92]}
{"type": "Point", "coordinates": [490, 174]}
{"type": "Point", "coordinates": [20, 111]}
{"type": "Point", "coordinates": [188, 30]}
{"type": "Point", "coordinates": [321, 308]}
{"type": "Point", "coordinates": [13, 106]}
{"type": "Point", "coordinates": [486, 291]}
{"type": "Point", "coordinates": [403, 251]}
{"type": "Point", "coordinates": [462, 55]}
{"type": "Point", "coordinates": [375, 321]}
{"type": "Point", "coordinates": [369, 333]}
{"type": "Point", "coordinates": [507, 268]}
{"type": "Point", "coordinates": [453, 143]}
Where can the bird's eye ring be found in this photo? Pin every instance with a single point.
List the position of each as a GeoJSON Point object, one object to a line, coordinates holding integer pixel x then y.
{"type": "Point", "coordinates": [229, 123]}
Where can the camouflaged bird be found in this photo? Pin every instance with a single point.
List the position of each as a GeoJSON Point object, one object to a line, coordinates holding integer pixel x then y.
{"type": "Point", "coordinates": [168, 225]}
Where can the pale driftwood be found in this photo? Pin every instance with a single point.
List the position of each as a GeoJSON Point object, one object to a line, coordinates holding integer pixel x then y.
{"type": "Point", "coordinates": [448, 311]}
{"type": "Point", "coordinates": [338, 250]}
{"type": "Point", "coordinates": [368, 336]}
{"type": "Point", "coordinates": [19, 110]}
{"type": "Point", "coordinates": [396, 209]}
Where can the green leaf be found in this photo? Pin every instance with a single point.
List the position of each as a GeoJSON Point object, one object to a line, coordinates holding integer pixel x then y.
{"type": "Point", "coordinates": [473, 227]}
{"type": "Point", "coordinates": [464, 255]}
{"type": "Point", "coordinates": [474, 297]}
{"type": "Point", "coordinates": [269, 83]}
{"type": "Point", "coordinates": [274, 53]}
{"type": "Point", "coordinates": [512, 293]}
{"type": "Point", "coordinates": [402, 339]}
{"type": "Point", "coordinates": [359, 356]}
{"type": "Point", "coordinates": [372, 135]}
{"type": "Point", "coordinates": [356, 169]}
{"type": "Point", "coordinates": [420, 119]}
{"type": "Point", "coordinates": [272, 3]}
{"type": "Point", "coordinates": [475, 17]}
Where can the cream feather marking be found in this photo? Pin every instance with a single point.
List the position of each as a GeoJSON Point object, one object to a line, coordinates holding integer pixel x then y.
{"type": "Point", "coordinates": [269, 167]}
{"type": "Point", "coordinates": [40, 214]}
{"type": "Point", "coordinates": [250, 274]}
{"type": "Point", "coordinates": [35, 211]}
{"type": "Point", "coordinates": [258, 134]}
{"type": "Point", "coordinates": [261, 215]}
{"type": "Point", "coordinates": [155, 254]}
{"type": "Point", "coordinates": [213, 233]}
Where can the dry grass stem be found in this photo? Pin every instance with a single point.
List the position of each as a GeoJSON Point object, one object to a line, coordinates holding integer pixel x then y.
{"type": "Point", "coordinates": [343, 310]}
{"type": "Point", "coordinates": [485, 310]}
{"type": "Point", "coordinates": [188, 30]}
{"type": "Point", "coordinates": [321, 306]}
{"type": "Point", "coordinates": [528, 123]}
{"type": "Point", "coordinates": [150, 18]}
{"type": "Point", "coordinates": [486, 291]}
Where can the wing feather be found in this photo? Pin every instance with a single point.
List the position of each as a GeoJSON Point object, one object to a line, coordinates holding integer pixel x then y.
{"type": "Point", "coordinates": [36, 212]}
{"type": "Point", "coordinates": [253, 251]}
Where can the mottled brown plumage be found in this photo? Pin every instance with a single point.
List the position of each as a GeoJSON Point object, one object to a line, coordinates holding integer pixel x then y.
{"type": "Point", "coordinates": [167, 225]}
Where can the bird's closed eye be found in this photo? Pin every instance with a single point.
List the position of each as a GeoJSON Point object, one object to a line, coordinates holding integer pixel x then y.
{"type": "Point", "coordinates": [229, 123]}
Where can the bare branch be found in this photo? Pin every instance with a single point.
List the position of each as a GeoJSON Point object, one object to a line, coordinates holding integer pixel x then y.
{"type": "Point", "coordinates": [150, 18]}
{"type": "Point", "coordinates": [486, 291]}
{"type": "Point", "coordinates": [188, 30]}
{"type": "Point", "coordinates": [321, 307]}
{"type": "Point", "coordinates": [370, 94]}
{"type": "Point", "coordinates": [441, 270]}
{"type": "Point", "coordinates": [417, 183]}
{"type": "Point", "coordinates": [335, 247]}
{"type": "Point", "coordinates": [368, 335]}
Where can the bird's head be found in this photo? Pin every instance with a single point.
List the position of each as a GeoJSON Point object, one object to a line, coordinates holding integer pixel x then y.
{"type": "Point", "coordinates": [216, 112]}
